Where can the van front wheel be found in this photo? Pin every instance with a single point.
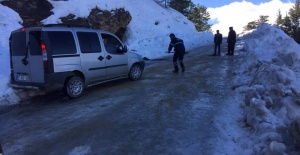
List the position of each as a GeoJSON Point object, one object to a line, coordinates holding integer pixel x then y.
{"type": "Point", "coordinates": [74, 87]}
{"type": "Point", "coordinates": [135, 72]}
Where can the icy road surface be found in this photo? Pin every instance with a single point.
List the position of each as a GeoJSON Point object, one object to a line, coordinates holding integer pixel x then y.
{"type": "Point", "coordinates": [163, 113]}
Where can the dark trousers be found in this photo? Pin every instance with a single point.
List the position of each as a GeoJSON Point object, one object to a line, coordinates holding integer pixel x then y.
{"type": "Point", "coordinates": [217, 46]}
{"type": "Point", "coordinates": [178, 57]}
{"type": "Point", "coordinates": [231, 48]}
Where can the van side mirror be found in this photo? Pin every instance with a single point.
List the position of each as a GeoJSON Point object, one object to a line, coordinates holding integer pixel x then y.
{"type": "Point", "coordinates": [125, 49]}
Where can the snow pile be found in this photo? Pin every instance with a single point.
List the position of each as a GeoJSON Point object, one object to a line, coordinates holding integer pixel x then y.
{"type": "Point", "coordinates": [244, 33]}
{"type": "Point", "coordinates": [80, 150]}
{"type": "Point", "coordinates": [269, 80]}
{"type": "Point", "coordinates": [9, 21]}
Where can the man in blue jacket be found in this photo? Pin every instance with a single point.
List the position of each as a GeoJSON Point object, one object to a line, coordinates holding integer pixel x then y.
{"type": "Point", "coordinates": [179, 51]}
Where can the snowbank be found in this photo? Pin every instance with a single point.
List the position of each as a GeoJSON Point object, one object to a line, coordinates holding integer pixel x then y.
{"type": "Point", "coordinates": [269, 80]}
{"type": "Point", "coordinates": [9, 21]}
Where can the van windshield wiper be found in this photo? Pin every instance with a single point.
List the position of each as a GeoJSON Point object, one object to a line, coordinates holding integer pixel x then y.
{"type": "Point", "coordinates": [24, 60]}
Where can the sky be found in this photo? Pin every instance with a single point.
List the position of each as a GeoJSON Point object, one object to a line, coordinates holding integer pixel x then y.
{"type": "Point", "coordinates": [218, 3]}
{"type": "Point", "coordinates": [227, 13]}
{"type": "Point", "coordinates": [267, 80]}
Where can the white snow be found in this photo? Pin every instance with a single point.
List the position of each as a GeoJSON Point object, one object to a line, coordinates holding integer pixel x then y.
{"type": "Point", "coordinates": [9, 21]}
{"type": "Point", "coordinates": [267, 81]}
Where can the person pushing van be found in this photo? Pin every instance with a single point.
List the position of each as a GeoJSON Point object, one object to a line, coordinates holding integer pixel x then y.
{"type": "Point", "coordinates": [179, 51]}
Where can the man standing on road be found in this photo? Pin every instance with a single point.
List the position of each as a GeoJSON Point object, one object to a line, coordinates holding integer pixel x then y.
{"type": "Point", "coordinates": [231, 41]}
{"type": "Point", "coordinates": [218, 41]}
{"type": "Point", "coordinates": [179, 51]}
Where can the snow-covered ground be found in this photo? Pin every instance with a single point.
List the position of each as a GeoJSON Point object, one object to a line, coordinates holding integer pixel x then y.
{"type": "Point", "coordinates": [268, 78]}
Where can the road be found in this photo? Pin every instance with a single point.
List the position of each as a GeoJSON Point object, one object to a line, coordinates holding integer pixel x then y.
{"type": "Point", "coordinates": [163, 113]}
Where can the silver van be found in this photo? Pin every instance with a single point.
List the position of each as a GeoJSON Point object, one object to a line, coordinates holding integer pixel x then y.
{"type": "Point", "coordinates": [69, 58]}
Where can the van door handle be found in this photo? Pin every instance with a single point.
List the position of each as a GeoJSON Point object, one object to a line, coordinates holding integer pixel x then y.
{"type": "Point", "coordinates": [100, 58]}
{"type": "Point", "coordinates": [25, 62]}
{"type": "Point", "coordinates": [108, 57]}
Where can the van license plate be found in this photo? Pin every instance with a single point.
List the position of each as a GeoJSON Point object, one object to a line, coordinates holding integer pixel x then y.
{"type": "Point", "coordinates": [22, 77]}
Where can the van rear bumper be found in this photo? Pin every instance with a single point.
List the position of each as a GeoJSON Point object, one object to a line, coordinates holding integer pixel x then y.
{"type": "Point", "coordinates": [24, 87]}
{"type": "Point", "coordinates": [53, 81]}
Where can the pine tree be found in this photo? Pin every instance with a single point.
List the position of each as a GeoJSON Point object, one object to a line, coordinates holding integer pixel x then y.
{"type": "Point", "coordinates": [181, 6]}
{"type": "Point", "coordinates": [279, 20]}
{"type": "Point", "coordinates": [294, 14]}
{"type": "Point", "coordinates": [262, 19]}
{"type": "Point", "coordinates": [287, 25]}
{"type": "Point", "coordinates": [250, 26]}
{"type": "Point", "coordinates": [200, 17]}
{"type": "Point", "coordinates": [254, 24]}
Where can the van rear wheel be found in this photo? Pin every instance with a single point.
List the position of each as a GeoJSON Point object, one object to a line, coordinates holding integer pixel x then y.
{"type": "Point", "coordinates": [74, 87]}
{"type": "Point", "coordinates": [135, 72]}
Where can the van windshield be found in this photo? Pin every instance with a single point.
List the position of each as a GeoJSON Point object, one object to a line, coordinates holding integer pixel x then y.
{"type": "Point", "coordinates": [18, 44]}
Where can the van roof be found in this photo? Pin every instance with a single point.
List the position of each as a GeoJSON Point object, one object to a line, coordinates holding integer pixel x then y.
{"type": "Point", "coordinates": [65, 26]}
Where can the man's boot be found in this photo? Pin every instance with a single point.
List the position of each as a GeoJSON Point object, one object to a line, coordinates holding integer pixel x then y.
{"type": "Point", "coordinates": [176, 69]}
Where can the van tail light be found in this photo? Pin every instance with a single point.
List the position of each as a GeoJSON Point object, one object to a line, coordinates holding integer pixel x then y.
{"type": "Point", "coordinates": [44, 54]}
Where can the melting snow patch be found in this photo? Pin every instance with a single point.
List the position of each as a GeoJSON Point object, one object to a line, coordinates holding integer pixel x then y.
{"type": "Point", "coordinates": [81, 150]}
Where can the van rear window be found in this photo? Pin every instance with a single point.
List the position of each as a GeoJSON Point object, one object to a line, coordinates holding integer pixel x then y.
{"type": "Point", "coordinates": [18, 44]}
{"type": "Point", "coordinates": [61, 42]}
{"type": "Point", "coordinates": [35, 43]}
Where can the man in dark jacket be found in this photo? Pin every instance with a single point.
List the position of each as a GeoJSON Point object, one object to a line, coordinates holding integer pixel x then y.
{"type": "Point", "coordinates": [218, 41]}
{"type": "Point", "coordinates": [231, 41]}
{"type": "Point", "coordinates": [179, 51]}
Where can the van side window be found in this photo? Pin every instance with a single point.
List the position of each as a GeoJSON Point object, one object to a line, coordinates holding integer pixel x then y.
{"type": "Point", "coordinates": [62, 42]}
{"type": "Point", "coordinates": [89, 42]}
{"type": "Point", "coordinates": [112, 44]}
{"type": "Point", "coordinates": [35, 43]}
